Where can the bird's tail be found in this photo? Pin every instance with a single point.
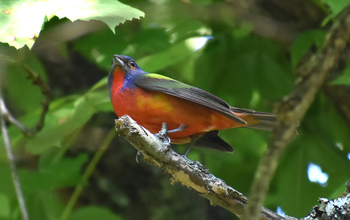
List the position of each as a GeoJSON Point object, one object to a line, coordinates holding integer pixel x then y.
{"type": "Point", "coordinates": [264, 121]}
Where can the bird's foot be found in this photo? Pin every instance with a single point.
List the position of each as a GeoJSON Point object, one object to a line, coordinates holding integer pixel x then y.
{"type": "Point", "coordinates": [137, 156]}
{"type": "Point", "coordinates": [161, 135]}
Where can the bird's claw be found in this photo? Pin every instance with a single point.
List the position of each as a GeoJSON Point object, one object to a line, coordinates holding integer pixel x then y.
{"type": "Point", "coordinates": [162, 134]}
{"type": "Point", "coordinates": [137, 156]}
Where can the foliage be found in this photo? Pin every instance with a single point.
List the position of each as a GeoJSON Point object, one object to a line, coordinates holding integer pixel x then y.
{"type": "Point", "coordinates": [235, 63]}
{"type": "Point", "coordinates": [22, 20]}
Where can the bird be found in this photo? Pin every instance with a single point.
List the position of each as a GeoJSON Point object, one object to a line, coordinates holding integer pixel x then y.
{"type": "Point", "coordinates": [193, 116]}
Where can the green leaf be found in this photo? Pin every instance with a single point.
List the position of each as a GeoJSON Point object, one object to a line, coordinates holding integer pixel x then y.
{"type": "Point", "coordinates": [109, 11]}
{"type": "Point", "coordinates": [20, 88]}
{"type": "Point", "coordinates": [93, 213]}
{"type": "Point", "coordinates": [68, 115]}
{"type": "Point", "coordinates": [66, 172]}
{"type": "Point", "coordinates": [343, 79]}
{"type": "Point", "coordinates": [100, 51]}
{"type": "Point", "coordinates": [303, 44]}
{"type": "Point", "coordinates": [5, 206]}
{"type": "Point", "coordinates": [51, 205]}
{"type": "Point", "coordinates": [336, 7]}
{"type": "Point", "coordinates": [22, 21]}
{"type": "Point", "coordinates": [177, 53]}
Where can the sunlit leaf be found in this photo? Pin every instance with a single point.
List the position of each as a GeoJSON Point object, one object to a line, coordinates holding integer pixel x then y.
{"type": "Point", "coordinates": [22, 21]}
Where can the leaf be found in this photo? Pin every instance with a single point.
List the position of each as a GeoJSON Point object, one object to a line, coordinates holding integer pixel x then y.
{"type": "Point", "coordinates": [303, 44]}
{"type": "Point", "coordinates": [5, 206]}
{"type": "Point", "coordinates": [336, 7]}
{"type": "Point", "coordinates": [343, 79]}
{"type": "Point", "coordinates": [68, 115]}
{"type": "Point", "coordinates": [92, 213]}
{"type": "Point", "coordinates": [100, 51]}
{"type": "Point", "coordinates": [66, 172]}
{"type": "Point", "coordinates": [179, 52]}
{"type": "Point", "coordinates": [19, 86]}
{"type": "Point", "coordinates": [51, 205]}
{"type": "Point", "coordinates": [22, 21]}
{"type": "Point", "coordinates": [109, 11]}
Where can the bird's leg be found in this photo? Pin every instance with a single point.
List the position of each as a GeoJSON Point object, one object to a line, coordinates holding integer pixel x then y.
{"type": "Point", "coordinates": [164, 130]}
{"type": "Point", "coordinates": [161, 135]}
{"type": "Point", "coordinates": [182, 127]}
{"type": "Point", "coordinates": [137, 156]}
{"type": "Point", "coordinates": [194, 138]}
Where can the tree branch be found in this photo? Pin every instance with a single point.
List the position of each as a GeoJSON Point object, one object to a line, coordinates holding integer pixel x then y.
{"type": "Point", "coordinates": [332, 209]}
{"type": "Point", "coordinates": [189, 173]}
{"type": "Point", "coordinates": [6, 116]}
{"type": "Point", "coordinates": [11, 159]}
{"type": "Point", "coordinates": [313, 72]}
{"type": "Point", "coordinates": [45, 102]}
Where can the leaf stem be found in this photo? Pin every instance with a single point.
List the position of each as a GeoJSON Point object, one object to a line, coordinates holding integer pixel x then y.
{"type": "Point", "coordinates": [90, 168]}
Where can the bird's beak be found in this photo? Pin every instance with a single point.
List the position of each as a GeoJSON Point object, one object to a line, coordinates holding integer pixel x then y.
{"type": "Point", "coordinates": [117, 61]}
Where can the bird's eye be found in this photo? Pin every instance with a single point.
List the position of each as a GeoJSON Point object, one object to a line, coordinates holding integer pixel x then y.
{"type": "Point", "coordinates": [132, 64]}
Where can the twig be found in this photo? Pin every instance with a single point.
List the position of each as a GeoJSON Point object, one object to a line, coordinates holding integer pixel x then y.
{"type": "Point", "coordinates": [314, 73]}
{"type": "Point", "coordinates": [11, 159]}
{"type": "Point", "coordinates": [45, 102]}
{"type": "Point", "coordinates": [5, 113]}
{"type": "Point", "coordinates": [190, 173]}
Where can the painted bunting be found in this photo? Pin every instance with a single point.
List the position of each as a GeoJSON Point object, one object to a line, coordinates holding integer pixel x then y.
{"type": "Point", "coordinates": [193, 115]}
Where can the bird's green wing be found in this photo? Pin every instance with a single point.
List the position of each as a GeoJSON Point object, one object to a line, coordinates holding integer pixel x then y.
{"type": "Point", "coordinates": [155, 82]}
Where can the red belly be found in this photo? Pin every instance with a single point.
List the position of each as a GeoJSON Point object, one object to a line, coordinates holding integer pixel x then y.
{"type": "Point", "coordinates": [150, 109]}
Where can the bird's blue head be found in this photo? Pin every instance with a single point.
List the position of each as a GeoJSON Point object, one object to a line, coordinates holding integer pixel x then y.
{"type": "Point", "coordinates": [129, 68]}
